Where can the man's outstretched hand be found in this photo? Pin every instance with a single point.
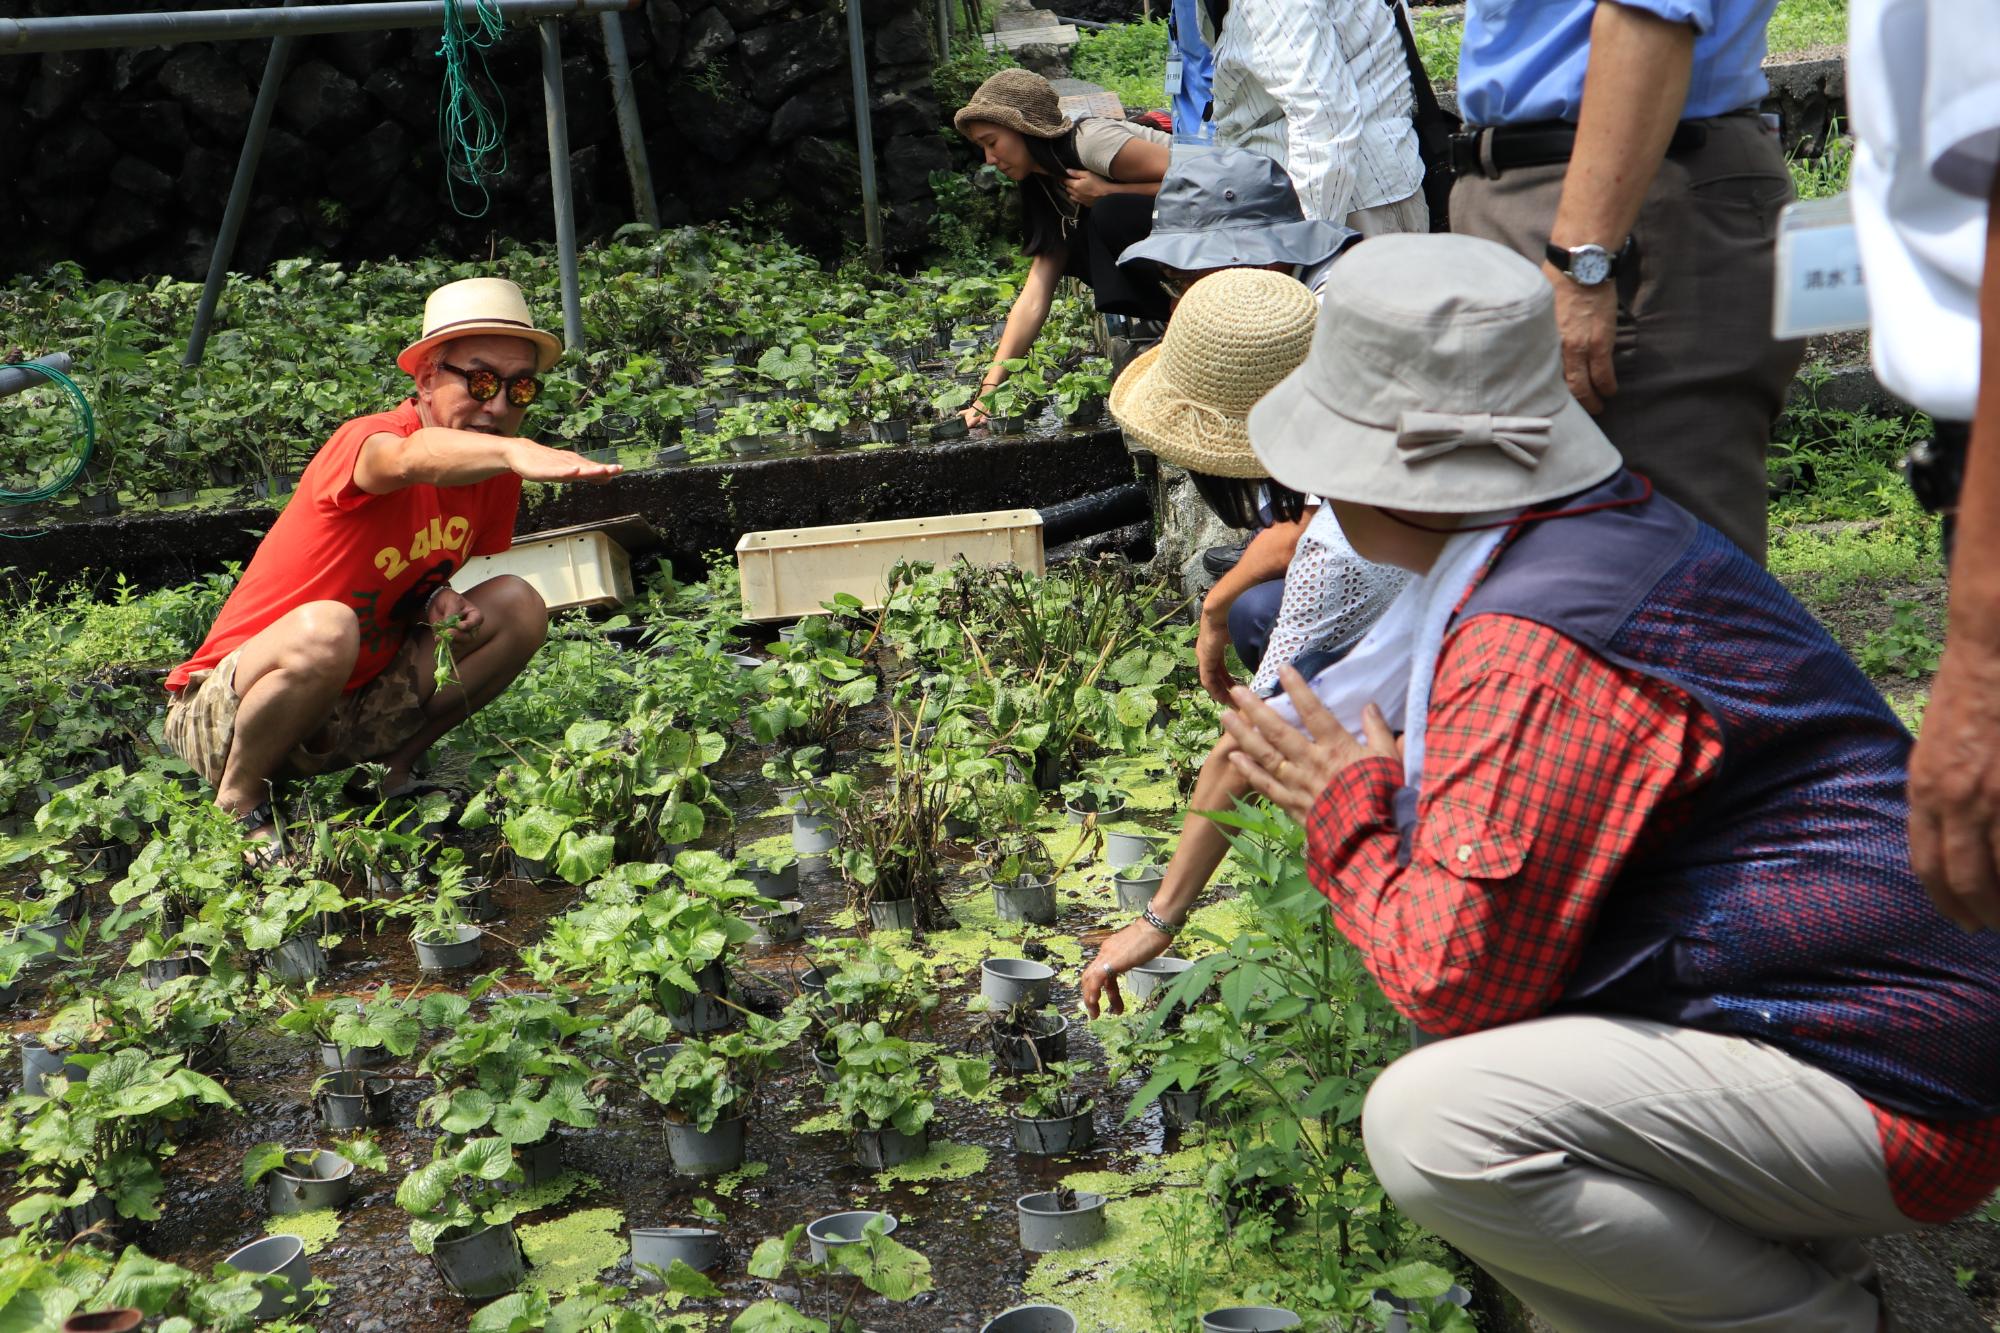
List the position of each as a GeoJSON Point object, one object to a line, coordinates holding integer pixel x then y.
{"type": "Point", "coordinates": [1289, 767]}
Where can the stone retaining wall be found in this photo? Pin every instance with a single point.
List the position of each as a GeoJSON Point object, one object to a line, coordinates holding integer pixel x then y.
{"type": "Point", "coordinates": [122, 159]}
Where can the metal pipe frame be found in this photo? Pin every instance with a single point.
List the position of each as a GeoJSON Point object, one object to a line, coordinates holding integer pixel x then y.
{"type": "Point", "coordinates": [13, 381]}
{"type": "Point", "coordinates": [559, 183]}
{"type": "Point", "coordinates": [864, 132]}
{"type": "Point", "coordinates": [631, 135]}
{"type": "Point", "coordinates": [102, 32]}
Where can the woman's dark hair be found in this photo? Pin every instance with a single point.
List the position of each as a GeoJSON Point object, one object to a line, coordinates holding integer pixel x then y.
{"type": "Point", "coordinates": [1044, 199]}
{"type": "Point", "coordinates": [1234, 500]}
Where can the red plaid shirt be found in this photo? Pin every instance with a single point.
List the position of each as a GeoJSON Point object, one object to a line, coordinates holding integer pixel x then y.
{"type": "Point", "coordinates": [1536, 745]}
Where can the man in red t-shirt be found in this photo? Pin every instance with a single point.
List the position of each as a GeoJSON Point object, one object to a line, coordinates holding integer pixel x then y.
{"type": "Point", "coordinates": [325, 654]}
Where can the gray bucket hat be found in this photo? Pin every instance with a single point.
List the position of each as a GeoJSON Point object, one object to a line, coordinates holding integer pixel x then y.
{"type": "Point", "coordinates": [1434, 384]}
{"type": "Point", "coordinates": [1232, 208]}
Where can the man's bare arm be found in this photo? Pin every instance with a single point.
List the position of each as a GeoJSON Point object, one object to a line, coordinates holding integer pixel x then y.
{"type": "Point", "coordinates": [440, 456]}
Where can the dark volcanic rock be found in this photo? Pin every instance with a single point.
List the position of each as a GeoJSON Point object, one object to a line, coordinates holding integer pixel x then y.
{"type": "Point", "coordinates": [707, 36]}
{"type": "Point", "coordinates": [360, 174]}
{"type": "Point", "coordinates": [122, 220]}
{"type": "Point", "coordinates": [785, 55]}
{"type": "Point", "coordinates": [907, 163]}
{"type": "Point", "coordinates": [823, 108]}
{"type": "Point", "coordinates": [905, 40]}
{"type": "Point", "coordinates": [721, 126]}
{"type": "Point", "coordinates": [323, 104]}
{"type": "Point", "coordinates": [213, 90]}
{"type": "Point", "coordinates": [60, 83]}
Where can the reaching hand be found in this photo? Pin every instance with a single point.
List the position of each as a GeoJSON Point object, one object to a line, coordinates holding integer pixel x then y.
{"type": "Point", "coordinates": [1587, 318]}
{"type": "Point", "coordinates": [973, 416]}
{"type": "Point", "coordinates": [1955, 788]}
{"type": "Point", "coordinates": [1285, 764]}
{"type": "Point", "coordinates": [1086, 188]}
{"type": "Point", "coordinates": [538, 462]}
{"type": "Point", "coordinates": [1211, 649]}
{"type": "Point", "coordinates": [1135, 944]}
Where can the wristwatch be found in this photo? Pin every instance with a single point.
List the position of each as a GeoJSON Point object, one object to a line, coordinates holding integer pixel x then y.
{"type": "Point", "coordinates": [1588, 265]}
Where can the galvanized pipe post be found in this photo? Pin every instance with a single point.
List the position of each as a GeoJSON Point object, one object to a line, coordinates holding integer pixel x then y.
{"type": "Point", "coordinates": [106, 31]}
{"type": "Point", "coordinates": [13, 381]}
{"type": "Point", "coordinates": [864, 133]}
{"type": "Point", "coordinates": [631, 135]}
{"type": "Point", "coordinates": [559, 185]}
{"type": "Point", "coordinates": [944, 29]}
{"type": "Point", "coordinates": [239, 195]}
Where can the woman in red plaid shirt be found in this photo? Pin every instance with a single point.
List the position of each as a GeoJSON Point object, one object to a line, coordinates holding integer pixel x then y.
{"type": "Point", "coordinates": [1639, 856]}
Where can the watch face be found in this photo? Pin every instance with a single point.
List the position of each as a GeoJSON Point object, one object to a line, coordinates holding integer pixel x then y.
{"type": "Point", "coordinates": [1589, 265]}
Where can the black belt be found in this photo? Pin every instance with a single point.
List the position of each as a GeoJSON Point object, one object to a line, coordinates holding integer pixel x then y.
{"type": "Point", "coordinates": [1496, 149]}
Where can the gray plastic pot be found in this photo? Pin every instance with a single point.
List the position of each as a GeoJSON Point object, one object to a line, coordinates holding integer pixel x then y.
{"type": "Point", "coordinates": [159, 971]}
{"type": "Point", "coordinates": [322, 1182]}
{"type": "Point", "coordinates": [656, 1057]}
{"type": "Point", "coordinates": [479, 904]}
{"type": "Point", "coordinates": [879, 1149]}
{"type": "Point", "coordinates": [352, 1100]}
{"type": "Point", "coordinates": [447, 950]}
{"type": "Point", "coordinates": [1046, 1043]}
{"type": "Point", "coordinates": [1013, 425]}
{"type": "Point", "coordinates": [1063, 1134]}
{"type": "Point", "coordinates": [381, 884]}
{"type": "Point", "coordinates": [829, 1069]}
{"type": "Point", "coordinates": [540, 1161]}
{"type": "Point", "coordinates": [334, 1058]}
{"type": "Point", "coordinates": [1180, 1108]}
{"type": "Point", "coordinates": [901, 914]}
{"type": "Point", "coordinates": [1145, 980]}
{"type": "Point", "coordinates": [1136, 890]}
{"type": "Point", "coordinates": [480, 1263]}
{"type": "Point", "coordinates": [1122, 850]}
{"type": "Point", "coordinates": [1399, 1322]}
{"type": "Point", "coordinates": [704, 1011]}
{"type": "Point", "coordinates": [1249, 1319]}
{"type": "Point", "coordinates": [72, 1222]}
{"type": "Point", "coordinates": [958, 830]}
{"type": "Point", "coordinates": [700, 1248]}
{"type": "Point", "coordinates": [1026, 899]}
{"type": "Point", "coordinates": [9, 992]}
{"type": "Point", "coordinates": [713, 1153]}
{"type": "Point", "coordinates": [299, 958]}
{"type": "Point", "coordinates": [38, 1062]}
{"type": "Point", "coordinates": [532, 871]}
{"type": "Point", "coordinates": [780, 884]}
{"type": "Point", "coordinates": [813, 981]}
{"type": "Point", "coordinates": [1031, 1319]}
{"type": "Point", "coordinates": [837, 1229]}
{"type": "Point", "coordinates": [780, 925]}
{"type": "Point", "coordinates": [950, 428]}
{"type": "Point", "coordinates": [282, 1256]}
{"type": "Point", "coordinates": [1006, 982]}
{"type": "Point", "coordinates": [1078, 811]}
{"type": "Point", "coordinates": [812, 835]}
{"type": "Point", "coordinates": [1045, 1228]}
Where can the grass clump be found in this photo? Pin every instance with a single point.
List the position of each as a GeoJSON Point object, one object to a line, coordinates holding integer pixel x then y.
{"type": "Point", "coordinates": [1130, 59]}
{"type": "Point", "coordinates": [1799, 25]}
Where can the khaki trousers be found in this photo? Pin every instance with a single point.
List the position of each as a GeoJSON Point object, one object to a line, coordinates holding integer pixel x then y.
{"type": "Point", "coordinates": [1700, 379]}
{"type": "Point", "coordinates": [1621, 1175]}
{"type": "Point", "coordinates": [1408, 214]}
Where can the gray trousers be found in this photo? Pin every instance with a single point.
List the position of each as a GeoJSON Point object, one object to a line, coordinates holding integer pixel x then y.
{"type": "Point", "coordinates": [1700, 379]}
{"type": "Point", "coordinates": [1623, 1176]}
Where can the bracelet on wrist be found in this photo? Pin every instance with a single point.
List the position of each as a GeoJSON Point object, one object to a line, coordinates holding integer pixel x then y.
{"type": "Point", "coordinates": [1157, 922]}
{"type": "Point", "coordinates": [432, 598]}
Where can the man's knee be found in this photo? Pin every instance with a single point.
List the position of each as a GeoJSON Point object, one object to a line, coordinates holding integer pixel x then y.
{"type": "Point", "coordinates": [1414, 1124]}
{"type": "Point", "coordinates": [324, 639]}
{"type": "Point", "coordinates": [512, 599]}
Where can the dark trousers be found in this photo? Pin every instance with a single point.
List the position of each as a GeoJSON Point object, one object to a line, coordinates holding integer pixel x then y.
{"type": "Point", "coordinates": [1700, 379]}
{"type": "Point", "coordinates": [1116, 222]}
{"type": "Point", "coordinates": [1251, 617]}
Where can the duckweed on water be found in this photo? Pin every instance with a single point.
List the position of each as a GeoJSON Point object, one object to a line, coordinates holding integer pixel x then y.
{"type": "Point", "coordinates": [571, 1250]}
{"type": "Point", "coordinates": [545, 1195]}
{"type": "Point", "coordinates": [727, 1185]}
{"type": "Point", "coordinates": [945, 1161]}
{"type": "Point", "coordinates": [316, 1228]}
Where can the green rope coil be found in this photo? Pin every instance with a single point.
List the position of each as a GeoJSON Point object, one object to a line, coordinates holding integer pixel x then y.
{"type": "Point", "coordinates": [85, 437]}
{"type": "Point", "coordinates": [472, 133]}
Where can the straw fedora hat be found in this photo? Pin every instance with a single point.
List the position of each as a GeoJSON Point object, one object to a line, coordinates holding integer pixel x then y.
{"type": "Point", "coordinates": [1435, 385]}
{"type": "Point", "coordinates": [1019, 99]}
{"type": "Point", "coordinates": [479, 305]}
{"type": "Point", "coordinates": [1233, 336]}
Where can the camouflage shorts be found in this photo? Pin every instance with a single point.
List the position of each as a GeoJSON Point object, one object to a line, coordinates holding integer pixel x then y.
{"type": "Point", "coordinates": [367, 724]}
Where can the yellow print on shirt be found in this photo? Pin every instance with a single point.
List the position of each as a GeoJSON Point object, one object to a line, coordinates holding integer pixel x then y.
{"type": "Point", "coordinates": [440, 535]}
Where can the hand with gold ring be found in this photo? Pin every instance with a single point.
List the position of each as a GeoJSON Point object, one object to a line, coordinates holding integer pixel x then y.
{"type": "Point", "coordinates": [1292, 767]}
{"type": "Point", "coordinates": [1126, 949]}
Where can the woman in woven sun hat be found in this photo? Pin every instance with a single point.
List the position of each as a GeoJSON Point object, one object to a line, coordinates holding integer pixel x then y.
{"type": "Point", "coordinates": [1086, 194]}
{"type": "Point", "coordinates": [1188, 400]}
{"type": "Point", "coordinates": [1640, 859]}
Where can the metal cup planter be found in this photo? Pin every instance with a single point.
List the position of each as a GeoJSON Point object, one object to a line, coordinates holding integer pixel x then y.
{"type": "Point", "coordinates": [483, 1262]}
{"type": "Point", "coordinates": [671, 455]}
{"type": "Point", "coordinates": [1399, 1322]}
{"type": "Point", "coordinates": [98, 1212]}
{"type": "Point", "coordinates": [299, 958]}
{"type": "Point", "coordinates": [1180, 1108]}
{"type": "Point", "coordinates": [700, 1248]}
{"type": "Point", "coordinates": [275, 486]}
{"type": "Point", "coordinates": [102, 503]}
{"type": "Point", "coordinates": [1085, 806]}
{"type": "Point", "coordinates": [1006, 982]}
{"type": "Point", "coordinates": [949, 428]}
{"type": "Point", "coordinates": [540, 1162]}
{"type": "Point", "coordinates": [1087, 413]}
{"type": "Point", "coordinates": [744, 446]}
{"type": "Point", "coordinates": [321, 1181]}
{"type": "Point", "coordinates": [838, 1229]}
{"type": "Point", "coordinates": [1031, 1319]}
{"type": "Point", "coordinates": [1026, 899]}
{"type": "Point", "coordinates": [889, 432]}
{"type": "Point", "coordinates": [958, 830]}
{"type": "Point", "coordinates": [157, 972]}
{"type": "Point", "coordinates": [1137, 886]}
{"type": "Point", "coordinates": [450, 949]}
{"type": "Point", "coordinates": [1012, 425]}
{"type": "Point", "coordinates": [526, 869]}
{"type": "Point", "coordinates": [38, 1063]}
{"type": "Point", "coordinates": [1055, 1135]}
{"type": "Point", "coordinates": [352, 1100]}
{"type": "Point", "coordinates": [1124, 850]}
{"type": "Point", "coordinates": [1045, 1041]}
{"type": "Point", "coordinates": [823, 439]}
{"type": "Point", "coordinates": [812, 833]}
{"type": "Point", "coordinates": [1047, 1227]}
{"type": "Point", "coordinates": [827, 1065]}
{"type": "Point", "coordinates": [125, 1320]}
{"type": "Point", "coordinates": [880, 1149]}
{"type": "Point", "coordinates": [654, 1058]}
{"type": "Point", "coordinates": [895, 914]}
{"type": "Point", "coordinates": [182, 495]}
{"type": "Point", "coordinates": [282, 1257]}
{"type": "Point", "coordinates": [781, 883]}
{"type": "Point", "coordinates": [704, 1011]}
{"type": "Point", "coordinates": [112, 858]}
{"type": "Point", "coordinates": [782, 924]}
{"type": "Point", "coordinates": [335, 1057]}
{"type": "Point", "coordinates": [1147, 979]}
{"type": "Point", "coordinates": [711, 1152]}
{"type": "Point", "coordinates": [1250, 1319]}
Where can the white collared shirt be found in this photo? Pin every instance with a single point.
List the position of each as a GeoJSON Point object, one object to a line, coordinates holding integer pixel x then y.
{"type": "Point", "coordinates": [1321, 86]}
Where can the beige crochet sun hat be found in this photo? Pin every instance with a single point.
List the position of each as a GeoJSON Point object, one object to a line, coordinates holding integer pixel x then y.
{"type": "Point", "coordinates": [1435, 385]}
{"type": "Point", "coordinates": [1019, 99]}
{"type": "Point", "coordinates": [1232, 338]}
{"type": "Point", "coordinates": [479, 305]}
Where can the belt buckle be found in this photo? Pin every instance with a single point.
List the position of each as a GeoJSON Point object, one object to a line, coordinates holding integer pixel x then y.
{"type": "Point", "coordinates": [1487, 166]}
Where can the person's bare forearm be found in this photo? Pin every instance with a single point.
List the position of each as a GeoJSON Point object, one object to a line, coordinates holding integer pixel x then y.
{"type": "Point", "coordinates": [1264, 559]}
{"type": "Point", "coordinates": [1634, 91]}
{"type": "Point", "coordinates": [1025, 317]}
{"type": "Point", "coordinates": [1203, 843]}
{"type": "Point", "coordinates": [1975, 566]}
{"type": "Point", "coordinates": [441, 456]}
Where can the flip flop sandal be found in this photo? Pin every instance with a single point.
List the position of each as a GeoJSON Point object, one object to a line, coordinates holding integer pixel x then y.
{"type": "Point", "coordinates": [270, 851]}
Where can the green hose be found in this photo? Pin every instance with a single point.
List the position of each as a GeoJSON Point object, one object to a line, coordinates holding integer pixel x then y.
{"type": "Point", "coordinates": [86, 436]}
{"type": "Point", "coordinates": [472, 134]}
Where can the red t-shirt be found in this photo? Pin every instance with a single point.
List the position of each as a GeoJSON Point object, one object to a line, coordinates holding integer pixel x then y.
{"type": "Point", "coordinates": [379, 554]}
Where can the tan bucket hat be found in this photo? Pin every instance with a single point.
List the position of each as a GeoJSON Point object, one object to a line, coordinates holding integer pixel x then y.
{"type": "Point", "coordinates": [479, 305]}
{"type": "Point", "coordinates": [1021, 100]}
{"type": "Point", "coordinates": [1233, 336]}
{"type": "Point", "coordinates": [1435, 385]}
